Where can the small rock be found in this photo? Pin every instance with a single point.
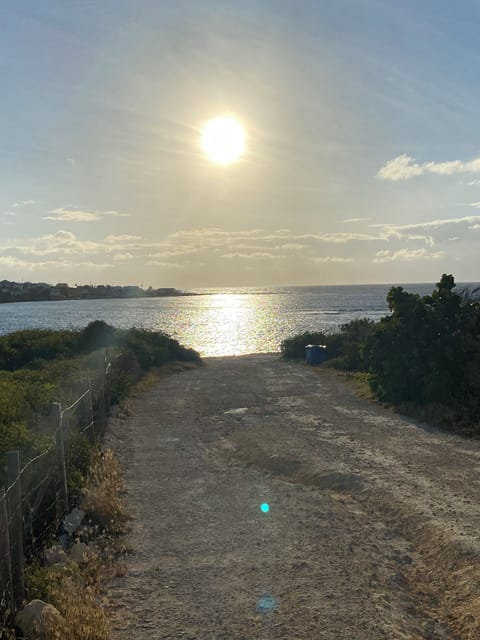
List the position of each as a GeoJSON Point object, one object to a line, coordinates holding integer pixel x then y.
{"type": "Point", "coordinates": [79, 552]}
{"type": "Point", "coordinates": [54, 555]}
{"type": "Point", "coordinates": [73, 520]}
{"type": "Point", "coordinates": [39, 620]}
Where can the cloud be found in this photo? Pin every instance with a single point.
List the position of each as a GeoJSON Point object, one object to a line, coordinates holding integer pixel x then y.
{"type": "Point", "coordinates": [431, 224]}
{"type": "Point", "coordinates": [14, 262]}
{"type": "Point", "coordinates": [252, 256]}
{"type": "Point", "coordinates": [123, 257]}
{"type": "Point", "coordinates": [406, 255]}
{"type": "Point", "coordinates": [165, 265]}
{"type": "Point", "coordinates": [292, 246]}
{"type": "Point", "coordinates": [59, 243]}
{"type": "Point", "coordinates": [357, 220]}
{"type": "Point", "coordinates": [9, 213]}
{"type": "Point", "coordinates": [116, 214]}
{"type": "Point", "coordinates": [405, 167]}
{"type": "Point", "coordinates": [23, 203]}
{"type": "Point", "coordinates": [72, 215]}
{"type": "Point", "coordinates": [125, 237]}
{"type": "Point", "coordinates": [322, 260]}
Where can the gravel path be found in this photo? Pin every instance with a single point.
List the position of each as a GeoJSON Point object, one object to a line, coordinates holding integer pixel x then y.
{"type": "Point", "coordinates": [372, 527]}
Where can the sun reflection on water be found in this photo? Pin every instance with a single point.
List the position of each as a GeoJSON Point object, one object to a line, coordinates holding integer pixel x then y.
{"type": "Point", "coordinates": [236, 324]}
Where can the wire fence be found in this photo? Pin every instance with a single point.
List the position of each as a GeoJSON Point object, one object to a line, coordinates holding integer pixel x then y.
{"type": "Point", "coordinates": [36, 496]}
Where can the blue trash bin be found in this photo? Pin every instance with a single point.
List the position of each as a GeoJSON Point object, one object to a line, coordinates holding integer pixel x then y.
{"type": "Point", "coordinates": [316, 353]}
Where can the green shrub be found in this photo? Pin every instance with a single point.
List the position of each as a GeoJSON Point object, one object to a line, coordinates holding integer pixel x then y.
{"type": "Point", "coordinates": [294, 347]}
{"type": "Point", "coordinates": [426, 353]}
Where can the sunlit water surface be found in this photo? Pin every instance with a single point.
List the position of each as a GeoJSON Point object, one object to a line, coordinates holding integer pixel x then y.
{"type": "Point", "coordinates": [219, 321]}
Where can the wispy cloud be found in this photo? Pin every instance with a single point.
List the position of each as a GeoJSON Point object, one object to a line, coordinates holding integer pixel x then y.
{"type": "Point", "coordinates": [165, 265]}
{"type": "Point", "coordinates": [324, 259]}
{"type": "Point", "coordinates": [72, 215]}
{"type": "Point", "coordinates": [116, 214]}
{"type": "Point", "coordinates": [357, 220]}
{"type": "Point", "coordinates": [59, 243]}
{"type": "Point", "coordinates": [405, 167]}
{"type": "Point", "coordinates": [123, 257]}
{"type": "Point", "coordinates": [30, 265]}
{"type": "Point", "coordinates": [263, 255]}
{"type": "Point", "coordinates": [406, 255]}
{"type": "Point", "coordinates": [23, 203]}
{"type": "Point", "coordinates": [125, 237]}
{"type": "Point", "coordinates": [430, 224]}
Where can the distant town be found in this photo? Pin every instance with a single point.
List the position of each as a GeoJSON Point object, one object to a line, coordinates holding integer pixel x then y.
{"type": "Point", "coordinates": [35, 291]}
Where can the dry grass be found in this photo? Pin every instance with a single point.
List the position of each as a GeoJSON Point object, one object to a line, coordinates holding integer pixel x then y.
{"type": "Point", "coordinates": [77, 591]}
{"type": "Point", "coordinates": [101, 495]}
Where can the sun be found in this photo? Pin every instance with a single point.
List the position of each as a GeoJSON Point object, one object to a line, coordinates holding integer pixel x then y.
{"type": "Point", "coordinates": [223, 140]}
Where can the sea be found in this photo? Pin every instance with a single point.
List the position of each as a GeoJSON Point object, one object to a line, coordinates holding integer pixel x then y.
{"type": "Point", "coordinates": [217, 322]}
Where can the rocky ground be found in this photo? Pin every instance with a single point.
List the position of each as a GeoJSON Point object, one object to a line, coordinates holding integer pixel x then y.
{"type": "Point", "coordinates": [372, 527]}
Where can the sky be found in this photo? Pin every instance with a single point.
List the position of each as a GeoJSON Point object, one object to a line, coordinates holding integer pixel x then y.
{"type": "Point", "coordinates": [362, 160]}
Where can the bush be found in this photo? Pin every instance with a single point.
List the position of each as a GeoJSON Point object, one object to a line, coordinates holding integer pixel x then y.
{"type": "Point", "coordinates": [294, 347]}
{"type": "Point", "coordinates": [426, 353]}
{"type": "Point", "coordinates": [23, 347]}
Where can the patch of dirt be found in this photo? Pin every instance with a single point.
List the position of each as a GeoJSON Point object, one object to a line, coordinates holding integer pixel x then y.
{"type": "Point", "coordinates": [372, 527]}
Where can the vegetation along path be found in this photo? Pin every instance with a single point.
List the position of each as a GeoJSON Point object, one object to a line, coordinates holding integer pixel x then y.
{"type": "Point", "coordinates": [373, 520]}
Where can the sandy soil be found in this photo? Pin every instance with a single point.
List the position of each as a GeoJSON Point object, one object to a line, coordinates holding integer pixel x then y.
{"type": "Point", "coordinates": [372, 528]}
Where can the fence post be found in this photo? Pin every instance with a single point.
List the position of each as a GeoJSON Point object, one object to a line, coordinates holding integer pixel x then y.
{"type": "Point", "coordinates": [6, 591]}
{"type": "Point", "coordinates": [14, 503]}
{"type": "Point", "coordinates": [108, 385]}
{"type": "Point", "coordinates": [90, 407]}
{"type": "Point", "coordinates": [60, 441]}
{"type": "Point", "coordinates": [101, 363]}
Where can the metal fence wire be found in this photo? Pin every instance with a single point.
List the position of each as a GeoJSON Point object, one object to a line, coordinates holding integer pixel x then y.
{"type": "Point", "coordinates": [37, 491]}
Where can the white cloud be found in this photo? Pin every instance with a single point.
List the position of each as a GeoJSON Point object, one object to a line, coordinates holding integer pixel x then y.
{"type": "Point", "coordinates": [405, 167]}
{"type": "Point", "coordinates": [292, 246]}
{"type": "Point", "coordinates": [14, 262]}
{"type": "Point", "coordinates": [431, 224]}
{"type": "Point", "coordinates": [59, 243]}
{"type": "Point", "coordinates": [165, 265]}
{"type": "Point", "coordinates": [116, 214]}
{"type": "Point", "coordinates": [426, 239]}
{"type": "Point", "coordinates": [122, 238]}
{"type": "Point", "coordinates": [357, 220]}
{"type": "Point", "coordinates": [72, 215]}
{"type": "Point", "coordinates": [252, 256]}
{"type": "Point", "coordinates": [406, 255]}
{"type": "Point", "coordinates": [23, 203]}
{"type": "Point", "coordinates": [322, 260]}
{"type": "Point", "coordinates": [123, 257]}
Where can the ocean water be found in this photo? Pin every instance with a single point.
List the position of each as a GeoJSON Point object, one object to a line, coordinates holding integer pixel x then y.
{"type": "Point", "coordinates": [217, 322]}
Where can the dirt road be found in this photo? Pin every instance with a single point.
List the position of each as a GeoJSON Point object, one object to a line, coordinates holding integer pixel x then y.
{"type": "Point", "coordinates": [372, 526]}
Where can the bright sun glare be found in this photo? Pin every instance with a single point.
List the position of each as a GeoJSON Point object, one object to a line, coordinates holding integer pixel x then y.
{"type": "Point", "coordinates": [223, 140]}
